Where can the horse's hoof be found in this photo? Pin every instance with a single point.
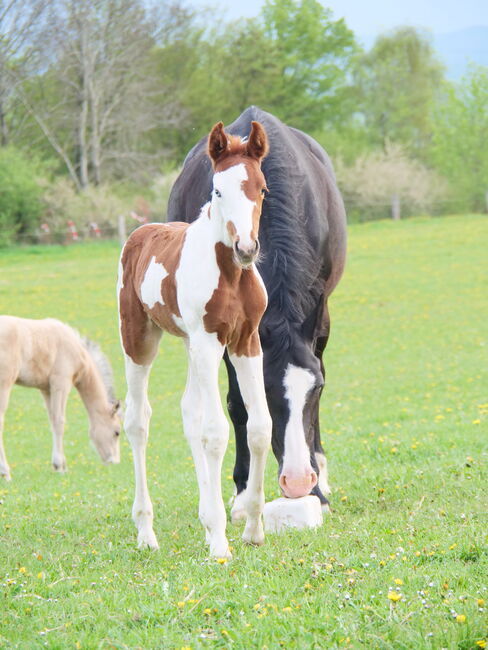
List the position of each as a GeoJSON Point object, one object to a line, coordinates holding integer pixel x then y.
{"type": "Point", "coordinates": [220, 552]}
{"type": "Point", "coordinates": [60, 467]}
{"type": "Point", "coordinates": [147, 539]}
{"type": "Point", "coordinates": [254, 539]}
{"type": "Point", "coordinates": [6, 475]}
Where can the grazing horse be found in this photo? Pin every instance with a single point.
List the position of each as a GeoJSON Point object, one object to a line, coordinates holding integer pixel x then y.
{"type": "Point", "coordinates": [51, 356]}
{"type": "Point", "coordinates": [199, 282]}
{"type": "Point", "coordinates": [303, 248]}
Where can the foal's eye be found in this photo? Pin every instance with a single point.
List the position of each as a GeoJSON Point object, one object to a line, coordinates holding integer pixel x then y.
{"type": "Point", "coordinates": [217, 193]}
{"type": "Point", "coordinates": [117, 434]}
{"type": "Point", "coordinates": [264, 191]}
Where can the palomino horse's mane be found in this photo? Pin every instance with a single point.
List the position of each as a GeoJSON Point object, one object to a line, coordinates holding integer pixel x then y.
{"type": "Point", "coordinates": [102, 364]}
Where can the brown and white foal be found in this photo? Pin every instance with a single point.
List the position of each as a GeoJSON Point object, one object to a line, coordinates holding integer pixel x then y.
{"type": "Point", "coordinates": [199, 282]}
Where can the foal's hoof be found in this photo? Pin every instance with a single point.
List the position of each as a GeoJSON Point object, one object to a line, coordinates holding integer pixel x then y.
{"type": "Point", "coordinates": [60, 466]}
{"type": "Point", "coordinates": [147, 539]}
{"type": "Point", "coordinates": [5, 474]}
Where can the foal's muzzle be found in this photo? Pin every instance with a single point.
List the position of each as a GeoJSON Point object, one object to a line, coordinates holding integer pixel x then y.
{"type": "Point", "coordinates": [246, 255]}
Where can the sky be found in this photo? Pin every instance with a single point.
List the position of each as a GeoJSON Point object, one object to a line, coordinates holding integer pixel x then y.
{"type": "Point", "coordinates": [370, 17]}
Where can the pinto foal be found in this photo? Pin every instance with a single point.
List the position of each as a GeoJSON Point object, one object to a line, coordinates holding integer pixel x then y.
{"type": "Point", "coordinates": [199, 282]}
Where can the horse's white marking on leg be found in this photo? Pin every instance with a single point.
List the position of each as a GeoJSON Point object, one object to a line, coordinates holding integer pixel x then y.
{"type": "Point", "coordinates": [136, 424]}
{"type": "Point", "coordinates": [55, 399]}
{"type": "Point", "coordinates": [323, 473]}
{"type": "Point", "coordinates": [151, 285]}
{"type": "Point", "coordinates": [4, 467]}
{"type": "Point", "coordinates": [205, 353]}
{"type": "Point", "coordinates": [249, 372]}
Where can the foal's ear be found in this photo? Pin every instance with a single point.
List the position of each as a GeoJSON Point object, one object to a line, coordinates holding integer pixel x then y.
{"type": "Point", "coordinates": [257, 144]}
{"type": "Point", "coordinates": [218, 142]}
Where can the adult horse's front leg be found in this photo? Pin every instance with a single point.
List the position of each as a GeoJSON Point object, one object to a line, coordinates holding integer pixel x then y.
{"type": "Point", "coordinates": [205, 353]}
{"type": "Point", "coordinates": [250, 376]}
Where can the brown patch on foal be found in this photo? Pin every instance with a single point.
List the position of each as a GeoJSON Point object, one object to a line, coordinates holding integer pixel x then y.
{"type": "Point", "coordinates": [236, 306]}
{"type": "Point", "coordinates": [140, 324]}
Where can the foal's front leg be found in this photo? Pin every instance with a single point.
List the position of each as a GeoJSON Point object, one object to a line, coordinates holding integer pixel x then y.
{"type": "Point", "coordinates": [4, 395]}
{"type": "Point", "coordinates": [56, 398]}
{"type": "Point", "coordinates": [251, 383]}
{"type": "Point", "coordinates": [205, 354]}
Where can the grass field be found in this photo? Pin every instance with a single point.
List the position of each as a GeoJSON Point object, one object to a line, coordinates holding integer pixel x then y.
{"type": "Point", "coordinates": [403, 560]}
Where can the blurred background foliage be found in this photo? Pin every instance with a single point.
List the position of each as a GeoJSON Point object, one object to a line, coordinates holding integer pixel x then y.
{"type": "Point", "coordinates": [100, 101]}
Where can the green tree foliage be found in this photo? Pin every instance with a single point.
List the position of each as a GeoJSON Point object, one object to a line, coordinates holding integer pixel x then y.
{"type": "Point", "coordinates": [398, 80]}
{"type": "Point", "coordinates": [20, 195]}
{"type": "Point", "coordinates": [460, 139]}
{"type": "Point", "coordinates": [315, 55]}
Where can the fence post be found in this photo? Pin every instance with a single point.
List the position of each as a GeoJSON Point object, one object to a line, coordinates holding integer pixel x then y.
{"type": "Point", "coordinates": [122, 230]}
{"type": "Point", "coordinates": [395, 207]}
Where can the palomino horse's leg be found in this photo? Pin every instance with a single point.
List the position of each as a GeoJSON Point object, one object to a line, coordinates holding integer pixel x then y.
{"type": "Point", "coordinates": [56, 398]}
{"type": "Point", "coordinates": [250, 376]}
{"type": "Point", "coordinates": [4, 395]}
{"type": "Point", "coordinates": [205, 353]}
{"type": "Point", "coordinates": [136, 425]}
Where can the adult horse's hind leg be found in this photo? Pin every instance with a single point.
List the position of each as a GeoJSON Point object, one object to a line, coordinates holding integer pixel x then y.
{"type": "Point", "coordinates": [249, 372]}
{"type": "Point", "coordinates": [238, 415]}
{"type": "Point", "coordinates": [55, 399]}
{"type": "Point", "coordinates": [4, 395]}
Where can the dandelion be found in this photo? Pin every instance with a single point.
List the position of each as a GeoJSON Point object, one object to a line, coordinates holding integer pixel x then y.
{"type": "Point", "coordinates": [398, 581]}
{"type": "Point", "coordinates": [481, 602]}
{"type": "Point", "coordinates": [344, 498]}
{"type": "Point", "coordinates": [207, 611]}
{"type": "Point", "coordinates": [287, 610]}
{"type": "Point", "coordinates": [460, 618]}
{"type": "Point", "coordinates": [180, 604]}
{"type": "Point", "coordinates": [222, 560]}
{"type": "Point", "coordinates": [481, 643]}
{"type": "Point", "coordinates": [394, 596]}
{"type": "Point", "coordinates": [22, 569]}
{"type": "Point", "coordinates": [40, 575]}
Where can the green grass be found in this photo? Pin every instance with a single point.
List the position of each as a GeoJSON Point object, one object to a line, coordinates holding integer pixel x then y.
{"type": "Point", "coordinates": [404, 420]}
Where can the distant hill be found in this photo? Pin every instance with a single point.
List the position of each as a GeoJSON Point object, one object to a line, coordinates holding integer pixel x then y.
{"type": "Point", "coordinates": [456, 49]}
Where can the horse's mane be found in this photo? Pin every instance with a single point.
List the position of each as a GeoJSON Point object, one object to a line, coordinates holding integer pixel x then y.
{"type": "Point", "coordinates": [291, 261]}
{"type": "Point", "coordinates": [102, 364]}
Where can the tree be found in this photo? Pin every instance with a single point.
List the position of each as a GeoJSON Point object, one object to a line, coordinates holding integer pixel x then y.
{"type": "Point", "coordinates": [315, 55]}
{"type": "Point", "coordinates": [398, 80]}
{"type": "Point", "coordinates": [460, 138]}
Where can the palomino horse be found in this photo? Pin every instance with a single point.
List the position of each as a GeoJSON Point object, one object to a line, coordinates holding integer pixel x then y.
{"type": "Point", "coordinates": [303, 244]}
{"type": "Point", "coordinates": [51, 356]}
{"type": "Point", "coordinates": [199, 282]}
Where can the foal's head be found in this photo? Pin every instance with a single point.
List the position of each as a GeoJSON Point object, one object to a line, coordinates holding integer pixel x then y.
{"type": "Point", "coordinates": [105, 432]}
{"type": "Point", "coordinates": [239, 188]}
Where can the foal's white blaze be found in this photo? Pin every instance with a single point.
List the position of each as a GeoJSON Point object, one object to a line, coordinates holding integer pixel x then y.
{"type": "Point", "coordinates": [233, 204]}
{"type": "Point", "coordinates": [298, 382]}
{"type": "Point", "coordinates": [151, 285]}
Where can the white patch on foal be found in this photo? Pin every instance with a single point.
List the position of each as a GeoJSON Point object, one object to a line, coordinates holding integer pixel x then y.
{"type": "Point", "coordinates": [151, 285]}
{"type": "Point", "coordinates": [298, 382]}
{"type": "Point", "coordinates": [233, 204]}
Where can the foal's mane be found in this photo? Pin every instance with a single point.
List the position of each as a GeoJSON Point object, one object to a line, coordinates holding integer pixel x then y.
{"type": "Point", "coordinates": [102, 364]}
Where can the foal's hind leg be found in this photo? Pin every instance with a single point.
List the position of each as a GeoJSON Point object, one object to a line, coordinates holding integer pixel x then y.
{"type": "Point", "coordinates": [136, 425]}
{"type": "Point", "coordinates": [4, 395]}
{"type": "Point", "coordinates": [205, 354]}
{"type": "Point", "coordinates": [56, 398]}
{"type": "Point", "coordinates": [250, 376]}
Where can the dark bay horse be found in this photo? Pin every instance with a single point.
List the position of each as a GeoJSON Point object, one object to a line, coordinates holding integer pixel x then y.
{"type": "Point", "coordinates": [303, 249]}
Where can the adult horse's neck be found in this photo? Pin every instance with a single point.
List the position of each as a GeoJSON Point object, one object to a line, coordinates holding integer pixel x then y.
{"type": "Point", "coordinates": [92, 390]}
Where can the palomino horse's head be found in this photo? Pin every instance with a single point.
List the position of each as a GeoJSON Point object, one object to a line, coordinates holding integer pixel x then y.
{"type": "Point", "coordinates": [239, 188]}
{"type": "Point", "coordinates": [105, 433]}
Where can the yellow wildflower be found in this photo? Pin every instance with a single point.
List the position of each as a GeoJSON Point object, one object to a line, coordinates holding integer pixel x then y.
{"type": "Point", "coordinates": [481, 602]}
{"type": "Point", "coordinates": [222, 560]}
{"type": "Point", "coordinates": [398, 581]}
{"type": "Point", "coordinates": [481, 643]}
{"type": "Point", "coordinates": [180, 604]}
{"type": "Point", "coordinates": [287, 610]}
{"type": "Point", "coordinates": [207, 611]}
{"type": "Point", "coordinates": [460, 618]}
{"type": "Point", "coordinates": [22, 569]}
{"type": "Point", "coordinates": [394, 596]}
